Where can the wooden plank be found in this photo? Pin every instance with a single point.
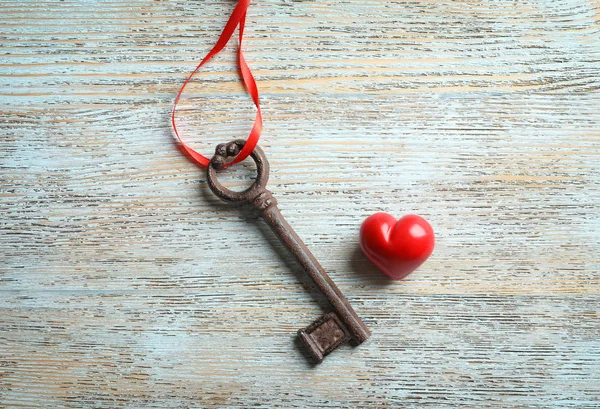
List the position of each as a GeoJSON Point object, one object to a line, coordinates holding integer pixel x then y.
{"type": "Point", "coordinates": [125, 283]}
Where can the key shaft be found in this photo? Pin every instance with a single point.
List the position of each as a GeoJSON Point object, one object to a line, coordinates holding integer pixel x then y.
{"type": "Point", "coordinates": [286, 234]}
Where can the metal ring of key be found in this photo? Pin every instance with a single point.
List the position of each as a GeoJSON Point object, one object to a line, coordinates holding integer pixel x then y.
{"type": "Point", "coordinates": [330, 330]}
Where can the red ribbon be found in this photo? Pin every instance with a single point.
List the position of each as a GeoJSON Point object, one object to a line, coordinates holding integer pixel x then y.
{"type": "Point", "coordinates": [238, 18]}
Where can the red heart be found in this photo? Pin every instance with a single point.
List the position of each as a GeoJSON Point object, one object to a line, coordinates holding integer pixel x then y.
{"type": "Point", "coordinates": [396, 247]}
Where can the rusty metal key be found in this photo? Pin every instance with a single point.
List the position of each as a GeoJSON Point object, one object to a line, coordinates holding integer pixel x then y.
{"type": "Point", "coordinates": [330, 330]}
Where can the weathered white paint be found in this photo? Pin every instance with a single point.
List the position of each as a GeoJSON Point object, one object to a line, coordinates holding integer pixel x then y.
{"type": "Point", "coordinates": [482, 116]}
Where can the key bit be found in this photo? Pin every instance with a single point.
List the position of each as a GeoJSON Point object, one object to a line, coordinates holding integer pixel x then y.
{"type": "Point", "coordinates": [330, 330]}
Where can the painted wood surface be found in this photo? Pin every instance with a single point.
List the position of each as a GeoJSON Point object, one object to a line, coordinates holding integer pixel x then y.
{"type": "Point", "coordinates": [125, 284]}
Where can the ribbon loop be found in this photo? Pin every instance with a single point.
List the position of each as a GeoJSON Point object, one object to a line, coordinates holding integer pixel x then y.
{"type": "Point", "coordinates": [237, 18]}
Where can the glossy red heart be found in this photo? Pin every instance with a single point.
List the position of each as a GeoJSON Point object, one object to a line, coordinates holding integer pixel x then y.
{"type": "Point", "coordinates": [396, 247]}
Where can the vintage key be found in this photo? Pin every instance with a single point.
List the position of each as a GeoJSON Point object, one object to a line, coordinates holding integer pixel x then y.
{"type": "Point", "coordinates": [330, 330]}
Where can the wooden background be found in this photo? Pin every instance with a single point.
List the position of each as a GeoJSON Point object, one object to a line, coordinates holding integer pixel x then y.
{"type": "Point", "coordinates": [125, 284]}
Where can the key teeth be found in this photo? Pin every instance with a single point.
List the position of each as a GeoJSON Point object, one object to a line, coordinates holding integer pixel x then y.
{"type": "Point", "coordinates": [324, 335]}
{"type": "Point", "coordinates": [313, 348]}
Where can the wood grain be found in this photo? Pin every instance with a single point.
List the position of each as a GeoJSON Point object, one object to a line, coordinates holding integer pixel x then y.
{"type": "Point", "coordinates": [124, 283]}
